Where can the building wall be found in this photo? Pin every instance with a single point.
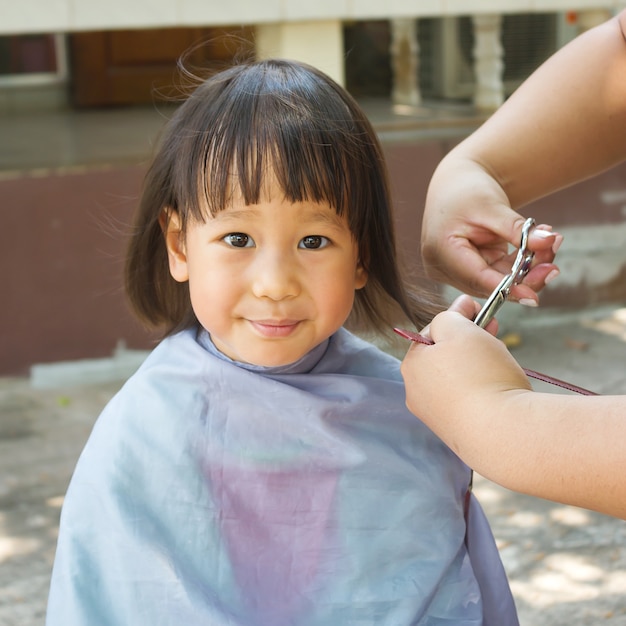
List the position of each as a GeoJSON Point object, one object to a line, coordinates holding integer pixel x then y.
{"type": "Point", "coordinates": [64, 243]}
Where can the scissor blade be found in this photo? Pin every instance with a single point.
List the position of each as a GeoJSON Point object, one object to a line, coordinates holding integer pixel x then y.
{"type": "Point", "coordinates": [492, 304]}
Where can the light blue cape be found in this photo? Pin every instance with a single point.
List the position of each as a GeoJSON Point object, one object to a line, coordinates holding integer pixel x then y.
{"type": "Point", "coordinates": [217, 493]}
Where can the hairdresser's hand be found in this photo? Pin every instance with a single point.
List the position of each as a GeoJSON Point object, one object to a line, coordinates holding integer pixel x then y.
{"type": "Point", "coordinates": [468, 224]}
{"type": "Point", "coordinates": [465, 372]}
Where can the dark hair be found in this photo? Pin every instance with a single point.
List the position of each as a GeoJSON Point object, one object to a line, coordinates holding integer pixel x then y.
{"type": "Point", "coordinates": [290, 119]}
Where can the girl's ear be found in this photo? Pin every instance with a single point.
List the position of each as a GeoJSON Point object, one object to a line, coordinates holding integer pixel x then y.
{"type": "Point", "coordinates": [169, 221]}
{"type": "Point", "coordinates": [361, 276]}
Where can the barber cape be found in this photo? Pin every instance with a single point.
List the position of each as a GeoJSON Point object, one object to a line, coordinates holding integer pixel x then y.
{"type": "Point", "coordinates": [213, 492]}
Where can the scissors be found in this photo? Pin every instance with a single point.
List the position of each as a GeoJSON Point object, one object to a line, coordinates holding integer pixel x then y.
{"type": "Point", "coordinates": [520, 268]}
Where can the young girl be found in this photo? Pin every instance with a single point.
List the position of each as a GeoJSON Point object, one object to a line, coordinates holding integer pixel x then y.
{"type": "Point", "coordinates": [261, 467]}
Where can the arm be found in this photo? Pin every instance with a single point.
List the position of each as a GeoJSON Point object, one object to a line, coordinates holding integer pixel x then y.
{"type": "Point", "coordinates": [565, 448]}
{"type": "Point", "coordinates": [567, 122]}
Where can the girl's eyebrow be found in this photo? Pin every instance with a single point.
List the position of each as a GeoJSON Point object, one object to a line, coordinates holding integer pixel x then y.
{"type": "Point", "coordinates": [328, 218]}
{"type": "Point", "coordinates": [314, 214]}
{"type": "Point", "coordinates": [230, 215]}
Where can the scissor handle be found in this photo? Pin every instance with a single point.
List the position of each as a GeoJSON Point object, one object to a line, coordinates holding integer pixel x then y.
{"type": "Point", "coordinates": [520, 268]}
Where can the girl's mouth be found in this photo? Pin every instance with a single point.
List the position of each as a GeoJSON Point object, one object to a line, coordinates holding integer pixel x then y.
{"type": "Point", "coordinates": [275, 328]}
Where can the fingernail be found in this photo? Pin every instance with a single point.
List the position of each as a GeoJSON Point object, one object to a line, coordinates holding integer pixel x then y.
{"type": "Point", "coordinates": [544, 234]}
{"type": "Point", "coordinates": [551, 276]}
{"type": "Point", "coordinates": [557, 243]}
{"type": "Point", "coordinates": [528, 302]}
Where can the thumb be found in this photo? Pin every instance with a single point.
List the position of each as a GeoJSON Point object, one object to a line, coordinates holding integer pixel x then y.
{"type": "Point", "coordinates": [452, 325]}
{"type": "Point", "coordinates": [465, 305]}
{"type": "Point", "coordinates": [469, 308]}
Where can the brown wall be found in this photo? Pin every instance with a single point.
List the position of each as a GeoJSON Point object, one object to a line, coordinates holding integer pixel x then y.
{"type": "Point", "coordinates": [62, 248]}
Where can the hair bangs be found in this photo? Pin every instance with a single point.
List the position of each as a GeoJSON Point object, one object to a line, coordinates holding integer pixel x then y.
{"type": "Point", "coordinates": [264, 130]}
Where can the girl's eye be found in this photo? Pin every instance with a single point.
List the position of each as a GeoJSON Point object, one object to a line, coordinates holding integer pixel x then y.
{"type": "Point", "coordinates": [239, 240]}
{"type": "Point", "coordinates": [313, 242]}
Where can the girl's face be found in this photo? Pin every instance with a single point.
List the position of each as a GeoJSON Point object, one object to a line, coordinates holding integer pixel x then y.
{"type": "Point", "coordinates": [269, 281]}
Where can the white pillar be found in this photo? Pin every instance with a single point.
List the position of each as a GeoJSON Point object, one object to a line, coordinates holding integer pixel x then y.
{"type": "Point", "coordinates": [317, 43]}
{"type": "Point", "coordinates": [488, 62]}
{"type": "Point", "coordinates": [404, 51]}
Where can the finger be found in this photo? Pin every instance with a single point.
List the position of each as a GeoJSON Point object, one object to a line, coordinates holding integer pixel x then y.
{"type": "Point", "coordinates": [465, 305]}
{"type": "Point", "coordinates": [425, 332]}
{"type": "Point", "coordinates": [544, 232]}
{"type": "Point", "coordinates": [478, 272]}
{"type": "Point", "coordinates": [493, 263]}
{"type": "Point", "coordinates": [538, 277]}
{"type": "Point", "coordinates": [544, 241]}
{"type": "Point", "coordinates": [468, 308]}
{"type": "Point", "coordinates": [451, 324]}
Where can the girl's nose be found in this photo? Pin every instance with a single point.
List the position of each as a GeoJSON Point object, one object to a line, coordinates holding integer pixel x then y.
{"type": "Point", "coordinates": [275, 276]}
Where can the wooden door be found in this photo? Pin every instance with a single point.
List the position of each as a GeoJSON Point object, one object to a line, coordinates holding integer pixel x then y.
{"type": "Point", "coordinates": [126, 67]}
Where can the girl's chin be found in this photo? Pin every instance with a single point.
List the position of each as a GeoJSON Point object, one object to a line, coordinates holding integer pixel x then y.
{"type": "Point", "coordinates": [273, 354]}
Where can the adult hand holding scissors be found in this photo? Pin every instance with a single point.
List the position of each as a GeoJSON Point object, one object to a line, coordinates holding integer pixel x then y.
{"type": "Point", "coordinates": [567, 122]}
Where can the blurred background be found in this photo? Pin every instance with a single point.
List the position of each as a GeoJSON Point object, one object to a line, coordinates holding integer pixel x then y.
{"type": "Point", "coordinates": [85, 88]}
